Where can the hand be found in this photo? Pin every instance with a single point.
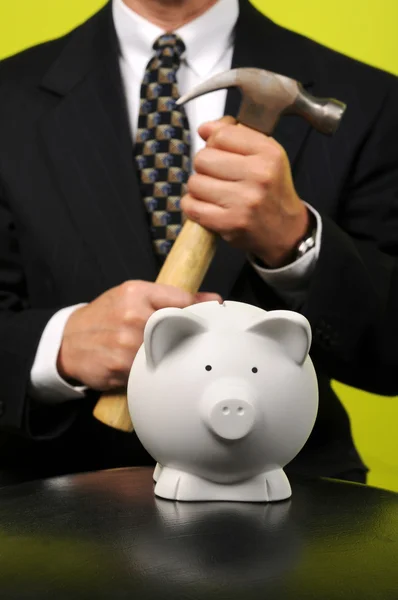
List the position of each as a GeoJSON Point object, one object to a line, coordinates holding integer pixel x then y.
{"type": "Point", "coordinates": [243, 190]}
{"type": "Point", "coordinates": [101, 339]}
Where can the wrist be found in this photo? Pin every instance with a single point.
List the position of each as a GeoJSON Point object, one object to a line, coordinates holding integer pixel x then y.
{"type": "Point", "coordinates": [65, 367]}
{"type": "Point", "coordinates": [301, 241]}
{"type": "Point", "coordinates": [66, 364]}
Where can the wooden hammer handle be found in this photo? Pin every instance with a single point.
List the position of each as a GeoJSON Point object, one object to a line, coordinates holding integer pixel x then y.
{"type": "Point", "coordinates": [185, 267]}
{"type": "Point", "coordinates": [189, 258]}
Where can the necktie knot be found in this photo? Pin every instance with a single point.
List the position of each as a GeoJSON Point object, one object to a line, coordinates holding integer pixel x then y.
{"type": "Point", "coordinates": [169, 45]}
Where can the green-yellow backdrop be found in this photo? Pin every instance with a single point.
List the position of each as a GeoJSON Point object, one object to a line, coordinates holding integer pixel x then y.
{"type": "Point", "coordinates": [363, 29]}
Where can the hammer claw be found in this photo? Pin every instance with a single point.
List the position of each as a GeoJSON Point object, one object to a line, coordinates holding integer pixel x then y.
{"type": "Point", "coordinates": [218, 82]}
{"type": "Point", "coordinates": [266, 96]}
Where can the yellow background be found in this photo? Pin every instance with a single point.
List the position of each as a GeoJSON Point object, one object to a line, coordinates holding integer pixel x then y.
{"type": "Point", "coordinates": [363, 29]}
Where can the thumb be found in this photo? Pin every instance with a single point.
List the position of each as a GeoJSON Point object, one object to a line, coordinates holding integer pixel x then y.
{"type": "Point", "coordinates": [206, 129]}
{"type": "Point", "coordinates": [207, 297]}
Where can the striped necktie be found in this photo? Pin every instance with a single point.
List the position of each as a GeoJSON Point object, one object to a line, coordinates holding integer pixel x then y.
{"type": "Point", "coordinates": [162, 148]}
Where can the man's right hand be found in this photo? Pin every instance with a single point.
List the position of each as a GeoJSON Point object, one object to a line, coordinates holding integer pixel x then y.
{"type": "Point", "coordinates": [101, 339]}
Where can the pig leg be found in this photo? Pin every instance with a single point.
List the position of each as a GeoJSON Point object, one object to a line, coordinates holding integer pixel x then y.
{"type": "Point", "coordinates": [167, 482]}
{"type": "Point", "coordinates": [157, 471]}
{"type": "Point", "coordinates": [278, 485]}
{"type": "Point", "coordinates": [179, 485]}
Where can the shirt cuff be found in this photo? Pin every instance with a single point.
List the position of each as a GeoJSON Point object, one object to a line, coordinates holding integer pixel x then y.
{"type": "Point", "coordinates": [295, 277]}
{"type": "Point", "coordinates": [46, 384]}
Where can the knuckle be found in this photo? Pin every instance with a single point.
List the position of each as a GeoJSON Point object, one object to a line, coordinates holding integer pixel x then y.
{"type": "Point", "coordinates": [242, 224]}
{"type": "Point", "coordinates": [128, 316]}
{"type": "Point", "coordinates": [129, 288]}
{"type": "Point", "coordinates": [200, 160]}
{"type": "Point", "coordinates": [253, 197]}
{"type": "Point", "coordinates": [221, 134]}
{"type": "Point", "coordinates": [196, 216]}
{"type": "Point", "coordinates": [277, 154]}
{"type": "Point", "coordinates": [117, 365]}
{"type": "Point", "coordinates": [184, 203]}
{"type": "Point", "coordinates": [265, 167]}
{"type": "Point", "coordinates": [133, 319]}
{"type": "Point", "coordinates": [277, 150]}
{"type": "Point", "coordinates": [230, 129]}
{"type": "Point", "coordinates": [125, 339]}
{"type": "Point", "coordinates": [244, 219]}
{"type": "Point", "coordinates": [193, 182]}
{"type": "Point", "coordinates": [192, 210]}
{"type": "Point", "coordinates": [259, 170]}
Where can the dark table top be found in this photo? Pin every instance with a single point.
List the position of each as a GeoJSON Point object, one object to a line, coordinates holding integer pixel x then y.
{"type": "Point", "coordinates": [105, 535]}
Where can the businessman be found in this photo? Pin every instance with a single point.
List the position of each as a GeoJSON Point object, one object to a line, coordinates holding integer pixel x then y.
{"type": "Point", "coordinates": [96, 166]}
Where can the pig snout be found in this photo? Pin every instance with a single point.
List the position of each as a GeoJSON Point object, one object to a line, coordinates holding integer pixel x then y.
{"type": "Point", "coordinates": [229, 410]}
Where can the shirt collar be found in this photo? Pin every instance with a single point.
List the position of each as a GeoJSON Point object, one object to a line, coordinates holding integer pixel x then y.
{"type": "Point", "coordinates": [206, 38]}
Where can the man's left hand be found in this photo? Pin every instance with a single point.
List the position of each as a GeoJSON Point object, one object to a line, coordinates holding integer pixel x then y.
{"type": "Point", "coordinates": [243, 190]}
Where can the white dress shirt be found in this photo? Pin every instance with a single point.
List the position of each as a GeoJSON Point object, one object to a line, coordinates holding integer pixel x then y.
{"type": "Point", "coordinates": [209, 42]}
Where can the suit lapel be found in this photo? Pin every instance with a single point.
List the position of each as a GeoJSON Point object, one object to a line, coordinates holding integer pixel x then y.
{"type": "Point", "coordinates": [254, 32]}
{"type": "Point", "coordinates": [89, 132]}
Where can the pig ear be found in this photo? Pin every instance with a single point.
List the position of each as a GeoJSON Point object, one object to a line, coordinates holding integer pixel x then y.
{"type": "Point", "coordinates": [167, 328]}
{"type": "Point", "coordinates": [290, 329]}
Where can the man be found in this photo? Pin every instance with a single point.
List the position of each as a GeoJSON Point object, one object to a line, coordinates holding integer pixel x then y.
{"type": "Point", "coordinates": [90, 203]}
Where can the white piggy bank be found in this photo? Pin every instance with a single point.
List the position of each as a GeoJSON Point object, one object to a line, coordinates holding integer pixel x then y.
{"type": "Point", "coordinates": [223, 396]}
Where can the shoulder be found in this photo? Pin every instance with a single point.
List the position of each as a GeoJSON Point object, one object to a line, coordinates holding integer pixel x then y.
{"type": "Point", "coordinates": [31, 64]}
{"type": "Point", "coordinates": [330, 65]}
{"type": "Point", "coordinates": [326, 65]}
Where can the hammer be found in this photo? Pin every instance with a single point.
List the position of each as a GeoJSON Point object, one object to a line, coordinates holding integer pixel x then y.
{"type": "Point", "coordinates": [266, 97]}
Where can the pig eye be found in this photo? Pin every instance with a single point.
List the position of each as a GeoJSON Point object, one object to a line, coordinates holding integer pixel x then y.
{"type": "Point", "coordinates": [254, 370]}
{"type": "Point", "coordinates": [208, 367]}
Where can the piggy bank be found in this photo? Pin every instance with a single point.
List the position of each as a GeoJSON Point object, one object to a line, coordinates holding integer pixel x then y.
{"type": "Point", "coordinates": [223, 396]}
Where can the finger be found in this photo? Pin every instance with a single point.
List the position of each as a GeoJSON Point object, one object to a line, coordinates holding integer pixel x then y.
{"type": "Point", "coordinates": [206, 129]}
{"type": "Point", "coordinates": [215, 191]}
{"type": "Point", "coordinates": [164, 296]}
{"type": "Point", "coordinates": [221, 165]}
{"type": "Point", "coordinates": [207, 297]}
{"type": "Point", "coordinates": [207, 215]}
{"type": "Point", "coordinates": [240, 139]}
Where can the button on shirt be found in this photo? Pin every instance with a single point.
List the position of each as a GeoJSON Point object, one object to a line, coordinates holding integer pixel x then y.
{"type": "Point", "coordinates": [209, 42]}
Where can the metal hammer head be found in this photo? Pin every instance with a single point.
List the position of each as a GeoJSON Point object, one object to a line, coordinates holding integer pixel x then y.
{"type": "Point", "coordinates": [266, 96]}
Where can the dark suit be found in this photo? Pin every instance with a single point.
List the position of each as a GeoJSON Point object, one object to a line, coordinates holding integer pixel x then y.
{"type": "Point", "coordinates": [72, 225]}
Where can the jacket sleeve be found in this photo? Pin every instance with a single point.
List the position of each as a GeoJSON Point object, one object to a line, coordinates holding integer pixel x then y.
{"type": "Point", "coordinates": [349, 302]}
{"type": "Point", "coordinates": [20, 330]}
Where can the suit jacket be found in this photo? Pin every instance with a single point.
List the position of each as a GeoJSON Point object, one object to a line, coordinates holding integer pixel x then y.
{"type": "Point", "coordinates": [72, 225]}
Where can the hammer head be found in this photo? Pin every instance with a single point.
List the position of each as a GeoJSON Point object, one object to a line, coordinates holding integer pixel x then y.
{"type": "Point", "coordinates": [266, 96]}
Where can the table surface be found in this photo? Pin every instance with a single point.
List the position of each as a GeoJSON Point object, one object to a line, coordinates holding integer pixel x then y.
{"type": "Point", "coordinates": [105, 535]}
